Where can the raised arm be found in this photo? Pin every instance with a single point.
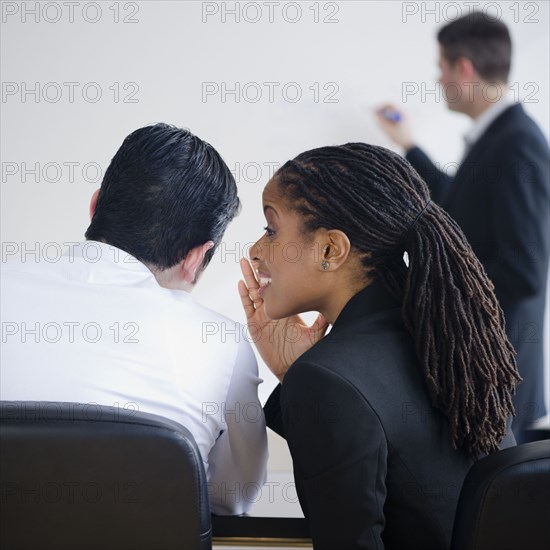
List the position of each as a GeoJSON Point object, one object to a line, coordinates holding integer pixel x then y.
{"type": "Point", "coordinates": [437, 180]}
{"type": "Point", "coordinates": [395, 124]}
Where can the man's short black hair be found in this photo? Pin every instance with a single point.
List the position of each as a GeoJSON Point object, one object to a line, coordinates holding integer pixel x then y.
{"type": "Point", "coordinates": [485, 41]}
{"type": "Point", "coordinates": [165, 192]}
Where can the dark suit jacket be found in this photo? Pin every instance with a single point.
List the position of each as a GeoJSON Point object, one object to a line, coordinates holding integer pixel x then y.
{"type": "Point", "coordinates": [373, 461]}
{"type": "Point", "coordinates": [500, 197]}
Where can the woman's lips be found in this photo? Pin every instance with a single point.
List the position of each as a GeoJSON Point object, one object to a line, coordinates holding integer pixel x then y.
{"type": "Point", "coordinates": [265, 280]}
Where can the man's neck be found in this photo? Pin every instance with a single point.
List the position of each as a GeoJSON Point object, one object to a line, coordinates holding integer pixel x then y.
{"type": "Point", "coordinates": [171, 278]}
{"type": "Point", "coordinates": [478, 109]}
{"type": "Point", "coordinates": [484, 118]}
{"type": "Point", "coordinates": [486, 97]}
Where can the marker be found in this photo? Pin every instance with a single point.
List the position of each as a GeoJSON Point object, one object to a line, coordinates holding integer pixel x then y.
{"type": "Point", "coordinates": [390, 114]}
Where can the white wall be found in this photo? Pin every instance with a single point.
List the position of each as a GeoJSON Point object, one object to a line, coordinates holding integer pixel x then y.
{"type": "Point", "coordinates": [160, 64]}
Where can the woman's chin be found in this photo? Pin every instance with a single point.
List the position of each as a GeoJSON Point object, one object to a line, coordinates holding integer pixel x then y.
{"type": "Point", "coordinates": [277, 311]}
{"type": "Point", "coordinates": [274, 313]}
{"type": "Point", "coordinates": [271, 314]}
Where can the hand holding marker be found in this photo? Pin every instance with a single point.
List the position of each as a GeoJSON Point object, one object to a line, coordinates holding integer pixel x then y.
{"type": "Point", "coordinates": [390, 114]}
{"type": "Point", "coordinates": [395, 123]}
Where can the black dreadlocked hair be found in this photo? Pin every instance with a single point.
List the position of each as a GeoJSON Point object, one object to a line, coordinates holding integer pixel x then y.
{"type": "Point", "coordinates": [381, 203]}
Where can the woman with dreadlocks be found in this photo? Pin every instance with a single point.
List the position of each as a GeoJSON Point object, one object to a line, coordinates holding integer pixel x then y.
{"type": "Point", "coordinates": [385, 414]}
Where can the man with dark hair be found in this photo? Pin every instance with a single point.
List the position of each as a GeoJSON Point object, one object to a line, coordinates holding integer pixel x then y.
{"type": "Point", "coordinates": [165, 193]}
{"type": "Point", "coordinates": [113, 321]}
{"type": "Point", "coordinates": [500, 194]}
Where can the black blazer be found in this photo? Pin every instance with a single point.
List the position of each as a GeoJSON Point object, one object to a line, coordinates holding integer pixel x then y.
{"type": "Point", "coordinates": [373, 461]}
{"type": "Point", "coordinates": [500, 197]}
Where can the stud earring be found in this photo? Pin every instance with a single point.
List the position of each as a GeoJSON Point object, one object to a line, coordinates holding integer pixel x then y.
{"type": "Point", "coordinates": [325, 265]}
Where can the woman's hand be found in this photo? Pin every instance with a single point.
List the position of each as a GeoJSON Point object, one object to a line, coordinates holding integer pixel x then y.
{"type": "Point", "coordinates": [280, 342]}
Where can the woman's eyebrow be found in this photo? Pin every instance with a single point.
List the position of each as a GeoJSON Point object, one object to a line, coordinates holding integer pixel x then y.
{"type": "Point", "coordinates": [267, 206]}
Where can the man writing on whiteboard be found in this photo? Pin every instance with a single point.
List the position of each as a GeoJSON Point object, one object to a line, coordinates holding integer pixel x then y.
{"type": "Point", "coordinates": [500, 194]}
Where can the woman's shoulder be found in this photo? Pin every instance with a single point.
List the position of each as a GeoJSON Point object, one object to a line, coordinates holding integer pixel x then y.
{"type": "Point", "coordinates": [378, 340]}
{"type": "Point", "coordinates": [375, 357]}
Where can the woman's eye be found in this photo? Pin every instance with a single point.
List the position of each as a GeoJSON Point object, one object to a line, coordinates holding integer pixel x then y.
{"type": "Point", "coordinates": [269, 232]}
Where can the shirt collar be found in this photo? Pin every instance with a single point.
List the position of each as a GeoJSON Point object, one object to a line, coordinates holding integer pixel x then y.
{"type": "Point", "coordinates": [372, 299]}
{"type": "Point", "coordinates": [485, 119]}
{"type": "Point", "coordinates": [105, 264]}
{"type": "Point", "coordinates": [95, 252]}
{"type": "Point", "coordinates": [102, 263]}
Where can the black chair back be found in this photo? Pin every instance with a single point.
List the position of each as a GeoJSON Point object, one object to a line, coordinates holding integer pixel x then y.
{"type": "Point", "coordinates": [505, 501]}
{"type": "Point", "coordinates": [91, 477]}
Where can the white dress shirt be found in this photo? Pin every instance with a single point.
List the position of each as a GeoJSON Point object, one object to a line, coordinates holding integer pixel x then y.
{"type": "Point", "coordinates": [95, 326]}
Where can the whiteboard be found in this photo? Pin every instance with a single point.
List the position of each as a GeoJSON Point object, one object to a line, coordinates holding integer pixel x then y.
{"type": "Point", "coordinates": [261, 81]}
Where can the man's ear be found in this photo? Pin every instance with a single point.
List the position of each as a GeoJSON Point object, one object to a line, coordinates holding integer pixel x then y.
{"type": "Point", "coordinates": [93, 203]}
{"type": "Point", "coordinates": [193, 261]}
{"type": "Point", "coordinates": [465, 69]}
{"type": "Point", "coordinates": [335, 250]}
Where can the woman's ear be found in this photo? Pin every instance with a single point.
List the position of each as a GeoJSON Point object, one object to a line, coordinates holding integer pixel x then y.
{"type": "Point", "coordinates": [335, 250]}
{"type": "Point", "coordinates": [93, 203]}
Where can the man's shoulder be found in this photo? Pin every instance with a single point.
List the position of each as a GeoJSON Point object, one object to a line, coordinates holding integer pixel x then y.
{"type": "Point", "coordinates": [514, 136]}
{"type": "Point", "coordinates": [207, 314]}
{"type": "Point", "coordinates": [515, 125]}
{"type": "Point", "coordinates": [19, 269]}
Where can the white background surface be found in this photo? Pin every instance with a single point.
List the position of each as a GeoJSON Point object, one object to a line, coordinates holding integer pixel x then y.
{"type": "Point", "coordinates": [161, 63]}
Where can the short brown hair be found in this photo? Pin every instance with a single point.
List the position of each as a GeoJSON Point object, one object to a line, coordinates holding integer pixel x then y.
{"type": "Point", "coordinates": [484, 40]}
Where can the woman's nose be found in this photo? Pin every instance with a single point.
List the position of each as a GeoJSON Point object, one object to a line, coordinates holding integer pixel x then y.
{"type": "Point", "coordinates": [255, 252]}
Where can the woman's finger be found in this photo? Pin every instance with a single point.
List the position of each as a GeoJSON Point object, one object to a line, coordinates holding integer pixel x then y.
{"type": "Point", "coordinates": [249, 275]}
{"type": "Point", "coordinates": [251, 281]}
{"type": "Point", "coordinates": [248, 304]}
{"type": "Point", "coordinates": [319, 327]}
